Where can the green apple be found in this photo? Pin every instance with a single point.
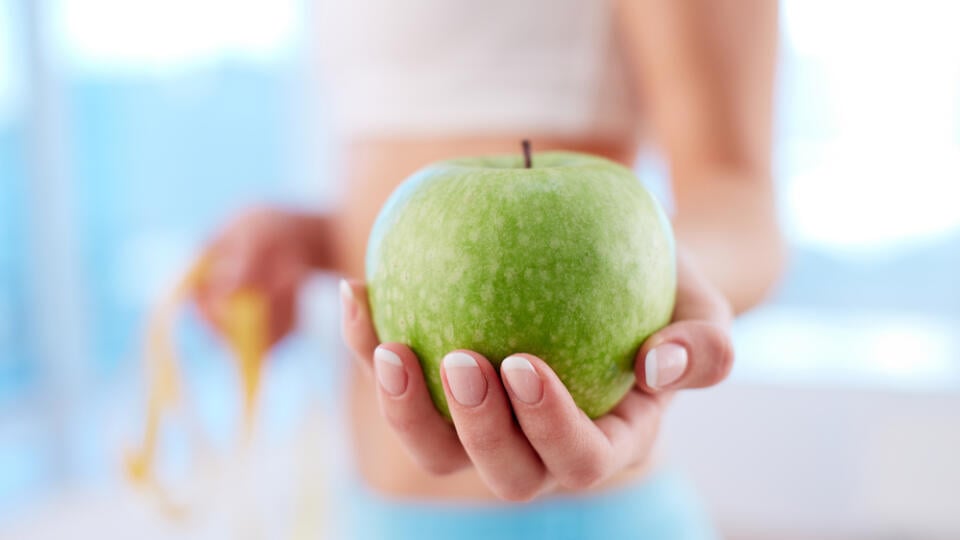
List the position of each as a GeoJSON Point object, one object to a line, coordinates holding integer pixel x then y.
{"type": "Point", "coordinates": [571, 260]}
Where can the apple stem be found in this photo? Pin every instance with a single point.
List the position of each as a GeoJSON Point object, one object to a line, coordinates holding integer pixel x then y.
{"type": "Point", "coordinates": [527, 159]}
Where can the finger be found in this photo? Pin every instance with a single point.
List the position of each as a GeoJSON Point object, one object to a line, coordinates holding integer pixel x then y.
{"type": "Point", "coordinates": [571, 446]}
{"type": "Point", "coordinates": [406, 404]}
{"type": "Point", "coordinates": [686, 354]}
{"type": "Point", "coordinates": [695, 351]}
{"type": "Point", "coordinates": [227, 273]}
{"type": "Point", "coordinates": [356, 324]}
{"type": "Point", "coordinates": [484, 422]}
{"type": "Point", "coordinates": [632, 426]}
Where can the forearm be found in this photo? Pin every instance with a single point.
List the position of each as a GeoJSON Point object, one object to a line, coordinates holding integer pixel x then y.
{"type": "Point", "coordinates": [729, 226]}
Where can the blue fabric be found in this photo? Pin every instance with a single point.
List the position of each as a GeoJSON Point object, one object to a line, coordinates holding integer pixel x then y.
{"type": "Point", "coordinates": [663, 507]}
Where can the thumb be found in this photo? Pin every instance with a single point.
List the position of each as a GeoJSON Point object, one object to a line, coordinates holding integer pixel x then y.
{"type": "Point", "coordinates": [686, 354]}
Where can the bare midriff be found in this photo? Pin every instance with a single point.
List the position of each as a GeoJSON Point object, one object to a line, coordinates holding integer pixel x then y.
{"type": "Point", "coordinates": [374, 169]}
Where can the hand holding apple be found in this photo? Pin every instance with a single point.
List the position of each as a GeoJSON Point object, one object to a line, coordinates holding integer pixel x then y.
{"type": "Point", "coordinates": [550, 441]}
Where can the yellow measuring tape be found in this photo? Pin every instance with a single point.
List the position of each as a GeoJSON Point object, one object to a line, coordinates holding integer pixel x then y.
{"type": "Point", "coordinates": [245, 331]}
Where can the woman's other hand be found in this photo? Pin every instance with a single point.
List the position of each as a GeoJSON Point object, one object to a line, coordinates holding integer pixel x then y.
{"type": "Point", "coordinates": [268, 251]}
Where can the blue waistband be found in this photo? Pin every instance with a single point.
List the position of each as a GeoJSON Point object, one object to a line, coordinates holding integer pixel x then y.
{"type": "Point", "coordinates": [662, 507]}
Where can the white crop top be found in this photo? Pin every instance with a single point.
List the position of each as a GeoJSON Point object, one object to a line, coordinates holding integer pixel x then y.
{"type": "Point", "coordinates": [442, 67]}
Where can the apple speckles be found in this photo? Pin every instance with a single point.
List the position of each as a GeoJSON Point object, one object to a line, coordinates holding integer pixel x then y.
{"type": "Point", "coordinates": [486, 293]}
{"type": "Point", "coordinates": [590, 284]}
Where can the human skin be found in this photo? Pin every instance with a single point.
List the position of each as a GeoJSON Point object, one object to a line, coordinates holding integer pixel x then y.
{"type": "Point", "coordinates": [709, 107]}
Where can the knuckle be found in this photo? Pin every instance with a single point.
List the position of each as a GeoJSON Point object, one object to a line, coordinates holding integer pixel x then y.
{"type": "Point", "coordinates": [438, 466]}
{"type": "Point", "coordinates": [585, 474]}
{"type": "Point", "coordinates": [431, 461]}
{"type": "Point", "coordinates": [483, 441]}
{"type": "Point", "coordinates": [517, 492]}
{"type": "Point", "coordinates": [551, 433]}
{"type": "Point", "coordinates": [721, 358]}
{"type": "Point", "coordinates": [403, 424]}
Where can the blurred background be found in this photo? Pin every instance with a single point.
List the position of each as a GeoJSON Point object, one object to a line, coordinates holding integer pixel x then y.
{"type": "Point", "coordinates": [130, 128]}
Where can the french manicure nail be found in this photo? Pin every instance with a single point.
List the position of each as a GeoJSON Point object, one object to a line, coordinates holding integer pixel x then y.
{"type": "Point", "coordinates": [664, 365]}
{"type": "Point", "coordinates": [466, 382]}
{"type": "Point", "coordinates": [348, 303]}
{"type": "Point", "coordinates": [522, 379]}
{"type": "Point", "coordinates": [390, 373]}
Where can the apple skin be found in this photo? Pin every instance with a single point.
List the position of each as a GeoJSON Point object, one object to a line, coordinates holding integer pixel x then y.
{"type": "Point", "coordinates": [571, 260]}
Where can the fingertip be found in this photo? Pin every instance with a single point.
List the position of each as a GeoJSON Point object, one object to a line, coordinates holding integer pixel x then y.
{"type": "Point", "coordinates": [537, 391]}
{"type": "Point", "coordinates": [465, 376]}
{"type": "Point", "coordinates": [686, 354]}
{"type": "Point", "coordinates": [399, 352]}
{"type": "Point", "coordinates": [390, 371]}
{"type": "Point", "coordinates": [521, 379]}
{"type": "Point", "coordinates": [467, 358]}
{"type": "Point", "coordinates": [663, 365]}
{"type": "Point", "coordinates": [348, 301]}
{"type": "Point", "coordinates": [522, 360]}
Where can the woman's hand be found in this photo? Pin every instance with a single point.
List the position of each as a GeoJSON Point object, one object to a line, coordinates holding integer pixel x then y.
{"type": "Point", "coordinates": [262, 250]}
{"type": "Point", "coordinates": [550, 441]}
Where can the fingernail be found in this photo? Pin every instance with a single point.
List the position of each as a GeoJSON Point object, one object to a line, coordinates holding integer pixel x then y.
{"type": "Point", "coordinates": [522, 379]}
{"type": "Point", "coordinates": [348, 302]}
{"type": "Point", "coordinates": [466, 382]}
{"type": "Point", "coordinates": [664, 364]}
{"type": "Point", "coordinates": [390, 372]}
